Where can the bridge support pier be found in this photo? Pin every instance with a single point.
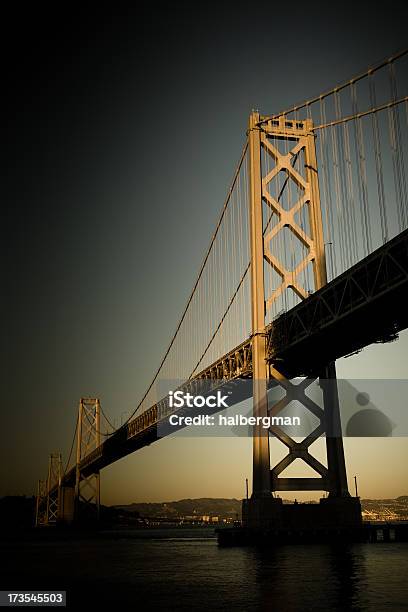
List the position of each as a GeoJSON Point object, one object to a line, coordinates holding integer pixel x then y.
{"type": "Point", "coordinates": [337, 511]}
{"type": "Point", "coordinates": [297, 161]}
{"type": "Point", "coordinates": [87, 486]}
{"type": "Point", "coordinates": [332, 514]}
{"type": "Point", "coordinates": [48, 504]}
{"type": "Point", "coordinates": [262, 512]}
{"type": "Point", "coordinates": [54, 488]}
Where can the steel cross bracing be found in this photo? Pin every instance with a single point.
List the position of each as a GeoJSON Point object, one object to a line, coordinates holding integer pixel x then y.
{"type": "Point", "coordinates": [48, 493]}
{"type": "Point", "coordinates": [87, 486]}
{"type": "Point", "coordinates": [53, 487]}
{"type": "Point", "coordinates": [300, 137]}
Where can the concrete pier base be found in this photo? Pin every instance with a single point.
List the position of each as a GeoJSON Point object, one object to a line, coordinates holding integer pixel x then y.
{"type": "Point", "coordinates": [329, 513]}
{"type": "Point", "coordinates": [335, 512]}
{"type": "Point", "coordinates": [262, 512]}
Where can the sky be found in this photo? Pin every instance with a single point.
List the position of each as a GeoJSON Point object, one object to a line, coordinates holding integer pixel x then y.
{"type": "Point", "coordinates": [122, 132]}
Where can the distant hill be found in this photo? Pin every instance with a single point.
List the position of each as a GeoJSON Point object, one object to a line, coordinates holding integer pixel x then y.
{"type": "Point", "coordinates": [19, 511]}
{"type": "Point", "coordinates": [187, 507]}
{"type": "Point", "coordinates": [227, 508]}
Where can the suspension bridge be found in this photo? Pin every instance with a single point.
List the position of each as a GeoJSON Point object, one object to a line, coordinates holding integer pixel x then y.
{"type": "Point", "coordinates": [308, 263]}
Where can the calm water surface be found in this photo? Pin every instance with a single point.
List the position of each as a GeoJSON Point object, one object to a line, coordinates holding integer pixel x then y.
{"type": "Point", "coordinates": [186, 570]}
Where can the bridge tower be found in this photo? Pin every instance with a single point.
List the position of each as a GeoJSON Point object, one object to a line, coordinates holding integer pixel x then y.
{"type": "Point", "coordinates": [54, 487]}
{"type": "Point", "coordinates": [41, 504]}
{"type": "Point", "coordinates": [87, 485]}
{"type": "Point", "coordinates": [49, 493]}
{"type": "Point", "coordinates": [263, 509]}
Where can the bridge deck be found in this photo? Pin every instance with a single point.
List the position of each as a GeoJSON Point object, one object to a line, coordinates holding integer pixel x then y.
{"type": "Point", "coordinates": [365, 304]}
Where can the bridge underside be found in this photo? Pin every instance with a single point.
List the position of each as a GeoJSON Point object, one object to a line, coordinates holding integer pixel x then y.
{"type": "Point", "coordinates": [366, 304]}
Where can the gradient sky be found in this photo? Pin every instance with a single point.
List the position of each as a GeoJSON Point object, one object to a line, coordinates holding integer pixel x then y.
{"type": "Point", "coordinates": [122, 134]}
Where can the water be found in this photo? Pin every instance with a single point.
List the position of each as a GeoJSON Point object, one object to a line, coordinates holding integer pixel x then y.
{"type": "Point", "coordinates": [186, 570]}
